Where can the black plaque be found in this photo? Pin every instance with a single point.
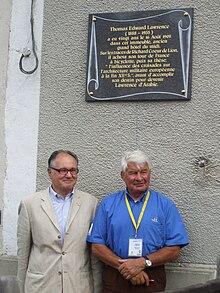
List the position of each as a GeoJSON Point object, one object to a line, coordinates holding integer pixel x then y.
{"type": "Point", "coordinates": [140, 55]}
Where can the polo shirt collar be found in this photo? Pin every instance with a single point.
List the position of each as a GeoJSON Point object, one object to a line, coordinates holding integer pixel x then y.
{"type": "Point", "coordinates": [140, 199]}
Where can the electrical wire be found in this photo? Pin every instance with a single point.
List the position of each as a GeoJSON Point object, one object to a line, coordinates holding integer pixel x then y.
{"type": "Point", "coordinates": [33, 46]}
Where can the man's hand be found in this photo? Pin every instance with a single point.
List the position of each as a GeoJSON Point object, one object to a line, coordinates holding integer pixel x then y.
{"type": "Point", "coordinates": [129, 268]}
{"type": "Point", "coordinates": [140, 279]}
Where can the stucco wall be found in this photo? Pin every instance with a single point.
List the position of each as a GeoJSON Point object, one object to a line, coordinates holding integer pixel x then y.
{"type": "Point", "coordinates": [176, 135]}
{"type": "Point", "coordinates": [4, 36]}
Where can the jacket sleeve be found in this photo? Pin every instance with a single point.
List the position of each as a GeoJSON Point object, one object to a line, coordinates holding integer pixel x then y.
{"type": "Point", "coordinates": [97, 271]}
{"type": "Point", "coordinates": [97, 267]}
{"type": "Point", "coordinates": [24, 241]}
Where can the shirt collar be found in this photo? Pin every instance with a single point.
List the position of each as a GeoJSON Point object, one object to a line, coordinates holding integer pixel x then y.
{"type": "Point", "coordinates": [140, 199]}
{"type": "Point", "coordinates": [56, 195]}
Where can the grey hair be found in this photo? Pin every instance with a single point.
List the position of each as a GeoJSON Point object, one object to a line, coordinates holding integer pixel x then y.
{"type": "Point", "coordinates": [137, 157]}
{"type": "Point", "coordinates": [56, 153]}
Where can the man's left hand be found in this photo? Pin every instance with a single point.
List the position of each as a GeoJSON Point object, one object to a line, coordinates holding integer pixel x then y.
{"type": "Point", "coordinates": [131, 267]}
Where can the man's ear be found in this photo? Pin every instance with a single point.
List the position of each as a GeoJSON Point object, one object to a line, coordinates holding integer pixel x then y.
{"type": "Point", "coordinates": [48, 171]}
{"type": "Point", "coordinates": [122, 175]}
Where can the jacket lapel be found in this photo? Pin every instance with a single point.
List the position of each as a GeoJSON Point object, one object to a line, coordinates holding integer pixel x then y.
{"type": "Point", "coordinates": [47, 206]}
{"type": "Point", "coordinates": [75, 206]}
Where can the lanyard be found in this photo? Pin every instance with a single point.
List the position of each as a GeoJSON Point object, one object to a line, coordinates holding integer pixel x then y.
{"type": "Point", "coordinates": [136, 225]}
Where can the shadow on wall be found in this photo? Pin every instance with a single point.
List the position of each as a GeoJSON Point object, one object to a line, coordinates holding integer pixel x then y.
{"type": "Point", "coordinates": [212, 286]}
{"type": "Point", "coordinates": [8, 284]}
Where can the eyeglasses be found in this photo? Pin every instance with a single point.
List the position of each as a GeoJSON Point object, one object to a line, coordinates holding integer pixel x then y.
{"type": "Point", "coordinates": [64, 171]}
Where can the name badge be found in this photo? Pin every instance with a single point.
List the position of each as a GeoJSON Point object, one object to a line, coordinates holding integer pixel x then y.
{"type": "Point", "coordinates": [135, 247]}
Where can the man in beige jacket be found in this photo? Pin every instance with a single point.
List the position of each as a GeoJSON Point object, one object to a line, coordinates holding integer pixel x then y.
{"type": "Point", "coordinates": [53, 255]}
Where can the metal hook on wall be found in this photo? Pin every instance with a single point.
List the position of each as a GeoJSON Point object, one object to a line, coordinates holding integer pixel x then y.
{"type": "Point", "coordinates": [28, 52]}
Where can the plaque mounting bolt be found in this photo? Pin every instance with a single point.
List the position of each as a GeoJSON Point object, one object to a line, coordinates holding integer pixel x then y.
{"type": "Point", "coordinates": [91, 93]}
{"type": "Point", "coordinates": [94, 19]}
{"type": "Point", "coordinates": [183, 91]}
{"type": "Point", "coordinates": [186, 14]}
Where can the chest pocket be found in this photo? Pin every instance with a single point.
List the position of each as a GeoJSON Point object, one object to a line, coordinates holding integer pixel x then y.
{"type": "Point", "coordinates": [155, 234]}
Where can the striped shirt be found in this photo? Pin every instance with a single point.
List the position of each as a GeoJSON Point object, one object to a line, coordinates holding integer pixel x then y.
{"type": "Point", "coordinates": [61, 207]}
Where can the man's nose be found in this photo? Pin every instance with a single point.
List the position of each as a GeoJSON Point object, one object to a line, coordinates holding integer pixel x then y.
{"type": "Point", "coordinates": [68, 174]}
{"type": "Point", "coordinates": [138, 176]}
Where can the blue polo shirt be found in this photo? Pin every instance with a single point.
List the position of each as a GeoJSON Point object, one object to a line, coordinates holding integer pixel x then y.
{"type": "Point", "coordinates": [161, 224]}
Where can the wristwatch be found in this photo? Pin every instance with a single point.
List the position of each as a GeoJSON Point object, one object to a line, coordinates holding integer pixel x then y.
{"type": "Point", "coordinates": [148, 262]}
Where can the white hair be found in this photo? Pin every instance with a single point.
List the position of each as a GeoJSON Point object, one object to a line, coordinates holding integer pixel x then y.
{"type": "Point", "coordinates": [137, 157]}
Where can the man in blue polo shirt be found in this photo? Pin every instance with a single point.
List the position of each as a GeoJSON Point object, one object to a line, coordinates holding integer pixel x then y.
{"type": "Point", "coordinates": [136, 231]}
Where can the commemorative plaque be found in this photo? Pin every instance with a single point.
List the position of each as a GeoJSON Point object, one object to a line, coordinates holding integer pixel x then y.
{"type": "Point", "coordinates": [140, 55]}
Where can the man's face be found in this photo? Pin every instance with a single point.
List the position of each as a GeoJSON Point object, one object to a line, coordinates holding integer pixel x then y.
{"type": "Point", "coordinates": [63, 184]}
{"type": "Point", "coordinates": [136, 178]}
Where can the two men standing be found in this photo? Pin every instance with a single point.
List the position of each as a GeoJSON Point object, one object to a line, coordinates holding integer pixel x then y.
{"type": "Point", "coordinates": [134, 233]}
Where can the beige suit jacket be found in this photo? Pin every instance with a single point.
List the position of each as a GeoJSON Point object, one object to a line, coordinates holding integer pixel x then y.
{"type": "Point", "coordinates": [44, 266]}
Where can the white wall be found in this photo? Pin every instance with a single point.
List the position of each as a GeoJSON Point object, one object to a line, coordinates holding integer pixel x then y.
{"type": "Point", "coordinates": [5, 6]}
{"type": "Point", "coordinates": [21, 118]}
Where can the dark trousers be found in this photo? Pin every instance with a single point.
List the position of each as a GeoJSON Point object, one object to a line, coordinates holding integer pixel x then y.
{"type": "Point", "coordinates": [114, 282]}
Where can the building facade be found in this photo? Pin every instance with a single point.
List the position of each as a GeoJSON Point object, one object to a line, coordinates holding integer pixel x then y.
{"type": "Point", "coordinates": [46, 110]}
